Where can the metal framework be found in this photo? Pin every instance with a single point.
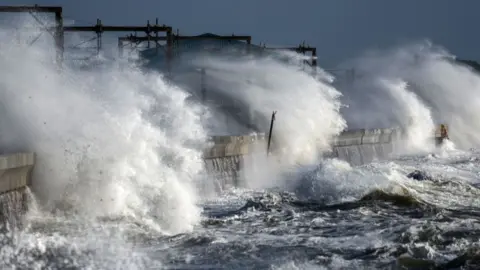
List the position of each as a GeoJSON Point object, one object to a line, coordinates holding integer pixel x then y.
{"type": "Point", "coordinates": [303, 49]}
{"type": "Point", "coordinates": [149, 29]}
{"type": "Point", "coordinates": [59, 29]}
{"type": "Point", "coordinates": [134, 39]}
{"type": "Point", "coordinates": [151, 33]}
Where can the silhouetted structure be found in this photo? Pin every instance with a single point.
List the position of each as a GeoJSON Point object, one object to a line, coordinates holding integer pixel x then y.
{"type": "Point", "coordinates": [174, 43]}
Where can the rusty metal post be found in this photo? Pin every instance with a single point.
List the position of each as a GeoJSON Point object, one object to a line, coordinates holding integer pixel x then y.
{"type": "Point", "coordinates": [270, 132]}
{"type": "Point", "coordinates": [59, 37]}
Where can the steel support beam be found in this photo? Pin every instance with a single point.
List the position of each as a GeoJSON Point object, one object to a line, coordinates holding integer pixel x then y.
{"type": "Point", "coordinates": [133, 38]}
{"type": "Point", "coordinates": [170, 38]}
{"type": "Point", "coordinates": [107, 28]}
{"type": "Point", "coordinates": [149, 29]}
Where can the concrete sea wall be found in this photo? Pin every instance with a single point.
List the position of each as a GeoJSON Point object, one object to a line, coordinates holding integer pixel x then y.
{"type": "Point", "coordinates": [15, 177]}
{"type": "Point", "coordinates": [228, 156]}
{"type": "Point", "coordinates": [224, 159]}
{"type": "Point", "coordinates": [366, 145]}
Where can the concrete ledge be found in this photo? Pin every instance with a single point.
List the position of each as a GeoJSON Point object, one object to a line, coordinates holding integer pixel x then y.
{"type": "Point", "coordinates": [362, 154]}
{"type": "Point", "coordinates": [364, 136]}
{"type": "Point", "coordinates": [237, 139]}
{"type": "Point", "coordinates": [15, 171]}
{"type": "Point", "coordinates": [349, 138]}
{"type": "Point", "coordinates": [376, 136]}
{"type": "Point", "coordinates": [225, 146]}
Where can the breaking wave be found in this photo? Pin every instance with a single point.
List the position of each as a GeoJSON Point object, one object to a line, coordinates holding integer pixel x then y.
{"type": "Point", "coordinates": [307, 106]}
{"type": "Point", "coordinates": [119, 146]}
{"type": "Point", "coordinates": [112, 141]}
{"type": "Point", "coordinates": [422, 85]}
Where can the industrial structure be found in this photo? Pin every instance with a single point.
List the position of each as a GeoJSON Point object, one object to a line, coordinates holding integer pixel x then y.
{"type": "Point", "coordinates": [167, 48]}
{"type": "Point", "coordinates": [152, 33]}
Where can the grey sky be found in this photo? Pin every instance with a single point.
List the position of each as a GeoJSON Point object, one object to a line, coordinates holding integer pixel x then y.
{"type": "Point", "coordinates": [340, 29]}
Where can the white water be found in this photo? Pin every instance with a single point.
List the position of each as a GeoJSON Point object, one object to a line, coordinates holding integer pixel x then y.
{"type": "Point", "coordinates": [115, 142]}
{"type": "Point", "coordinates": [111, 142]}
{"type": "Point", "coordinates": [415, 87]}
{"type": "Point", "coordinates": [387, 92]}
{"type": "Point", "coordinates": [307, 108]}
{"type": "Point", "coordinates": [447, 90]}
{"type": "Point", "coordinates": [394, 88]}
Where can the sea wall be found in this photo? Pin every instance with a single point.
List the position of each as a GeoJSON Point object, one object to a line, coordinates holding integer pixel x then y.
{"type": "Point", "coordinates": [15, 177]}
{"type": "Point", "coordinates": [365, 145]}
{"type": "Point", "coordinates": [225, 158]}
{"type": "Point", "coordinates": [227, 155]}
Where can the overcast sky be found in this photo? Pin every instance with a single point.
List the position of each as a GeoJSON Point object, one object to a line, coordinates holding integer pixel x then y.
{"type": "Point", "coordinates": [340, 29]}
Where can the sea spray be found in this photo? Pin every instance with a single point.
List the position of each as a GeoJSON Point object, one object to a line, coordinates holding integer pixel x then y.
{"type": "Point", "coordinates": [445, 87]}
{"type": "Point", "coordinates": [416, 118]}
{"type": "Point", "coordinates": [308, 108]}
{"type": "Point", "coordinates": [110, 141]}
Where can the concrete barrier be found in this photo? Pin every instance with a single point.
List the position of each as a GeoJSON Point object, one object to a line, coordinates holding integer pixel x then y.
{"type": "Point", "coordinates": [365, 145]}
{"type": "Point", "coordinates": [15, 176]}
{"type": "Point", "coordinates": [227, 156]}
{"type": "Point", "coordinates": [224, 159]}
{"type": "Point", "coordinates": [225, 146]}
{"type": "Point", "coordinates": [366, 136]}
{"type": "Point", "coordinates": [357, 147]}
{"type": "Point", "coordinates": [15, 170]}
